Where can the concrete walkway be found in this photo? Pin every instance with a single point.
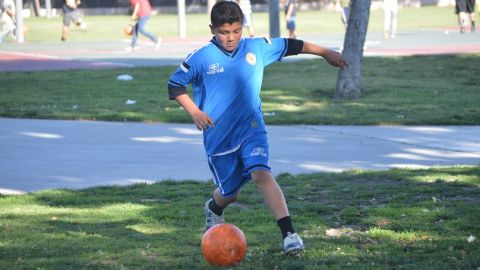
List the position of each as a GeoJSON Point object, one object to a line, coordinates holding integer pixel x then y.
{"type": "Point", "coordinates": [42, 154]}
{"type": "Point", "coordinates": [111, 54]}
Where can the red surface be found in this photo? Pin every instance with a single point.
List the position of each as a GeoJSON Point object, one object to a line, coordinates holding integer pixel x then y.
{"type": "Point", "coordinates": [33, 62]}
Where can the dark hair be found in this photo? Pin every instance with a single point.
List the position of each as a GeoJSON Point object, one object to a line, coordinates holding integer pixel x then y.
{"type": "Point", "coordinates": [225, 12]}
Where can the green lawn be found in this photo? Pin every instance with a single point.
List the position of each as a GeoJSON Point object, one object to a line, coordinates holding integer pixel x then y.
{"type": "Point", "coordinates": [431, 90]}
{"type": "Point", "coordinates": [397, 219]}
{"type": "Point", "coordinates": [420, 90]}
{"type": "Point", "coordinates": [309, 22]}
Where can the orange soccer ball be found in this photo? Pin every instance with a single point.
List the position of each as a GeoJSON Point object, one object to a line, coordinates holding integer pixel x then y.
{"type": "Point", "coordinates": [224, 245]}
{"type": "Point", "coordinates": [128, 29]}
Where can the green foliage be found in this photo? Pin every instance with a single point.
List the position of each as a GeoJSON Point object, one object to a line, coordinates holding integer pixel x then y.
{"type": "Point", "coordinates": [395, 219]}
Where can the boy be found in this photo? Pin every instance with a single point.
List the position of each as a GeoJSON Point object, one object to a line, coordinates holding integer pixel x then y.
{"type": "Point", "coordinates": [71, 14]}
{"type": "Point", "coordinates": [141, 14]}
{"type": "Point", "coordinates": [465, 9]}
{"type": "Point", "coordinates": [390, 10]}
{"type": "Point", "coordinates": [7, 20]}
{"type": "Point", "coordinates": [344, 7]}
{"type": "Point", "coordinates": [246, 7]}
{"type": "Point", "coordinates": [226, 77]}
{"type": "Point", "coordinates": [291, 17]}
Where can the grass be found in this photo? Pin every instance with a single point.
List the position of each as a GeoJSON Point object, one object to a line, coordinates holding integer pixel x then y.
{"type": "Point", "coordinates": [433, 90]}
{"type": "Point", "coordinates": [397, 219]}
{"type": "Point", "coordinates": [110, 27]}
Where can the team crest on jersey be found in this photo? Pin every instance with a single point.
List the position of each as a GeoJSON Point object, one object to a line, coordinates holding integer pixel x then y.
{"type": "Point", "coordinates": [251, 58]}
{"type": "Point", "coordinates": [214, 68]}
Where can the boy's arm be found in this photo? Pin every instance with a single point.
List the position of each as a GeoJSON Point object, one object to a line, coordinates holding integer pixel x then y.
{"type": "Point", "coordinates": [289, 11]}
{"type": "Point", "coordinates": [135, 11]}
{"type": "Point", "coordinates": [202, 120]}
{"type": "Point", "coordinates": [332, 57]}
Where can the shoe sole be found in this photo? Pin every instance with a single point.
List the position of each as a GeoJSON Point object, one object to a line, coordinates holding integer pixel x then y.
{"type": "Point", "coordinates": [294, 252]}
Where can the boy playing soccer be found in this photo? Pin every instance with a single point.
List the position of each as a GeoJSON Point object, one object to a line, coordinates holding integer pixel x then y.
{"type": "Point", "coordinates": [226, 77]}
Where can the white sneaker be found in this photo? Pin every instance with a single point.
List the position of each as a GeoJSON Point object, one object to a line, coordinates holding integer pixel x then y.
{"type": "Point", "coordinates": [210, 218]}
{"type": "Point", "coordinates": [131, 48]}
{"type": "Point", "coordinates": [293, 244]}
{"type": "Point", "coordinates": [158, 43]}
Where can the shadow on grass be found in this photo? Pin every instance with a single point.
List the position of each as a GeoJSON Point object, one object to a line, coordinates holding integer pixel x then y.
{"type": "Point", "coordinates": [358, 219]}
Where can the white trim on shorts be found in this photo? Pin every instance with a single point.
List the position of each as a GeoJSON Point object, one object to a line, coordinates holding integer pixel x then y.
{"type": "Point", "coordinates": [231, 150]}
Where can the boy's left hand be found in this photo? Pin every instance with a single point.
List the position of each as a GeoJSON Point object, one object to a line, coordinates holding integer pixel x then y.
{"type": "Point", "coordinates": [335, 59]}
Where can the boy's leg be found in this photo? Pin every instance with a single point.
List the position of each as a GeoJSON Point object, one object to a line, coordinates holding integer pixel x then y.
{"type": "Point", "coordinates": [142, 22]}
{"type": "Point", "coordinates": [65, 33]}
{"type": "Point", "coordinates": [133, 44]}
{"type": "Point", "coordinates": [472, 21]}
{"type": "Point", "coordinates": [228, 179]}
{"type": "Point", "coordinates": [393, 28]}
{"type": "Point", "coordinates": [135, 34]}
{"type": "Point", "coordinates": [222, 201]}
{"type": "Point", "coordinates": [271, 192]}
{"type": "Point", "coordinates": [275, 199]}
{"type": "Point", "coordinates": [386, 23]}
{"type": "Point", "coordinates": [67, 20]}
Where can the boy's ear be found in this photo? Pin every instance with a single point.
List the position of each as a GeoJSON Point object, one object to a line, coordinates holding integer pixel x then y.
{"type": "Point", "coordinates": [211, 29]}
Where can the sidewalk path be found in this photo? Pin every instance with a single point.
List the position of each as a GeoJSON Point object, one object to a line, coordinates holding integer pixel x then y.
{"type": "Point", "coordinates": [111, 54]}
{"type": "Point", "coordinates": [42, 154]}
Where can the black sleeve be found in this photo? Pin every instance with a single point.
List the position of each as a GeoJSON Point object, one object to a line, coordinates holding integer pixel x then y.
{"type": "Point", "coordinates": [175, 91]}
{"type": "Point", "coordinates": [294, 46]}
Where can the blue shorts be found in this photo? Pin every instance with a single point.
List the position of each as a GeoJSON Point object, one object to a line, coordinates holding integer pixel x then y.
{"type": "Point", "coordinates": [232, 169]}
{"type": "Point", "coordinates": [291, 24]}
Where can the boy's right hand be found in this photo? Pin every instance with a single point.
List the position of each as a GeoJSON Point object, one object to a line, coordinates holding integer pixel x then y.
{"type": "Point", "coordinates": [202, 120]}
{"type": "Point", "coordinates": [335, 59]}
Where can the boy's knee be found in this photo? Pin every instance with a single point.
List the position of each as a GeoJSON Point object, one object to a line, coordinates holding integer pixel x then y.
{"type": "Point", "coordinates": [222, 200]}
{"type": "Point", "coordinates": [260, 177]}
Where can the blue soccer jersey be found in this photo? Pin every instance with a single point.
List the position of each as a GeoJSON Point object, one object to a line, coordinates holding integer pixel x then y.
{"type": "Point", "coordinates": [226, 86]}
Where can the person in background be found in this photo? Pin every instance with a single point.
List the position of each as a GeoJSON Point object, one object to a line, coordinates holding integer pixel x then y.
{"type": "Point", "coordinates": [8, 23]}
{"type": "Point", "coordinates": [291, 17]}
{"type": "Point", "coordinates": [140, 16]}
{"type": "Point", "coordinates": [390, 10]}
{"type": "Point", "coordinates": [71, 14]}
{"type": "Point", "coordinates": [465, 10]}
{"type": "Point", "coordinates": [344, 7]}
{"type": "Point", "coordinates": [246, 7]}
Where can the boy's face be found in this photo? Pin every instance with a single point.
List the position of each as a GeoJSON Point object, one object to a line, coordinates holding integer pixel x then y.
{"type": "Point", "coordinates": [228, 35]}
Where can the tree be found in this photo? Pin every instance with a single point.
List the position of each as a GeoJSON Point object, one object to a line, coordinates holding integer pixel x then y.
{"type": "Point", "coordinates": [349, 85]}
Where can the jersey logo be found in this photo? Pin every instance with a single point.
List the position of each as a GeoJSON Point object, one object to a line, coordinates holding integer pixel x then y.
{"type": "Point", "coordinates": [214, 68]}
{"type": "Point", "coordinates": [251, 58]}
{"type": "Point", "coordinates": [258, 151]}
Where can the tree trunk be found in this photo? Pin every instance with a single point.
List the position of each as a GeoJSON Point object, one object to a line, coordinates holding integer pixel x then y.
{"type": "Point", "coordinates": [349, 85]}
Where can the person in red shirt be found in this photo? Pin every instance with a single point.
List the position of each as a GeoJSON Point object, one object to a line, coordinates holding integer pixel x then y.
{"type": "Point", "coordinates": [140, 16]}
